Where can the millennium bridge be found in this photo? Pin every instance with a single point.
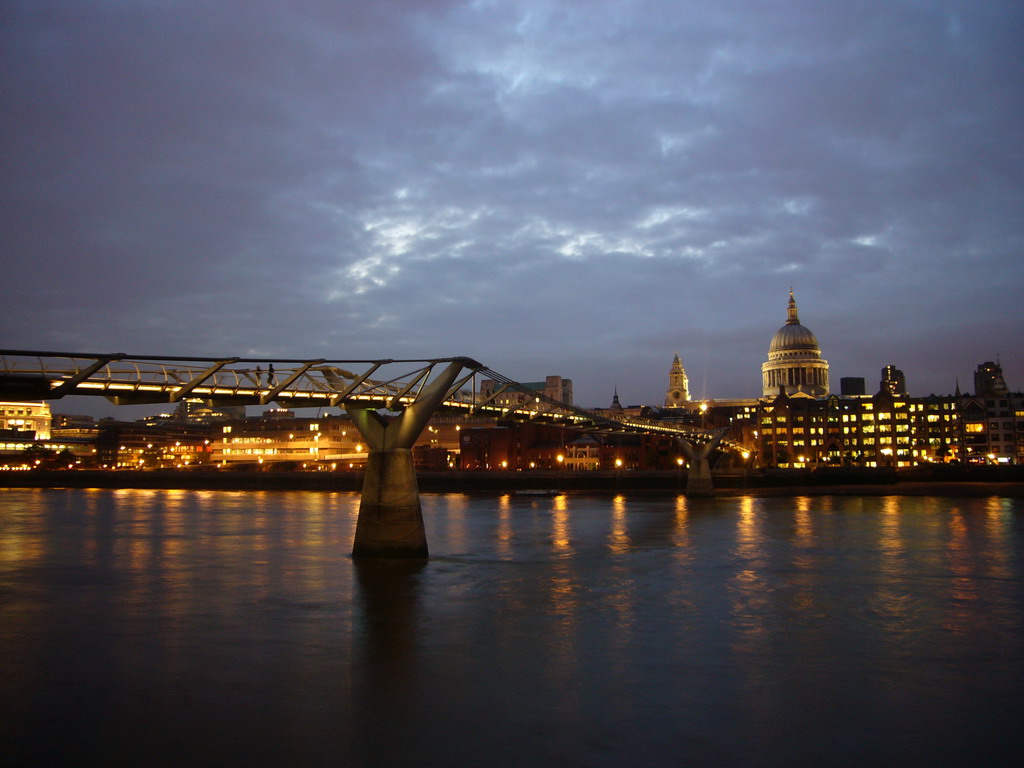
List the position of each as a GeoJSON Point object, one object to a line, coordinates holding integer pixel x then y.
{"type": "Point", "coordinates": [389, 401]}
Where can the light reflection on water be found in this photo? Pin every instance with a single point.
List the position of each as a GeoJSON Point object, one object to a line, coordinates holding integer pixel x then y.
{"type": "Point", "coordinates": [165, 627]}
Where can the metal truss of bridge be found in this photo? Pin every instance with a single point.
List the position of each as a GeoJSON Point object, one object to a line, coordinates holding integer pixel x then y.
{"type": "Point", "coordinates": [390, 521]}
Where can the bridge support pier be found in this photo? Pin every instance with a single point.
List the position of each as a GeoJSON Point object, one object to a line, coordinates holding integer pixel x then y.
{"type": "Point", "coordinates": [390, 522]}
{"type": "Point", "coordinates": [698, 479]}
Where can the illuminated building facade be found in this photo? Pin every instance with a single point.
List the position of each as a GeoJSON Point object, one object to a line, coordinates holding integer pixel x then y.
{"type": "Point", "coordinates": [678, 393]}
{"type": "Point", "coordinates": [278, 438]}
{"type": "Point", "coordinates": [141, 446]}
{"type": "Point", "coordinates": [25, 421]}
{"type": "Point", "coordinates": [27, 438]}
{"type": "Point", "coordinates": [583, 454]}
{"type": "Point", "coordinates": [993, 419]}
{"type": "Point", "coordinates": [883, 430]}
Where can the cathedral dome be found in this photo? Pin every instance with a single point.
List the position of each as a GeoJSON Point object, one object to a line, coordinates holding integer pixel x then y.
{"type": "Point", "coordinates": [794, 365]}
{"type": "Point", "coordinates": [793, 336]}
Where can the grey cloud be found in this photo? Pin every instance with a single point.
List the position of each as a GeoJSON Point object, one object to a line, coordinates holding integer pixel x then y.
{"type": "Point", "coordinates": [577, 188]}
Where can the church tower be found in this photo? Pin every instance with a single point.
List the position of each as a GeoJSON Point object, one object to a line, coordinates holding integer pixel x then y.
{"type": "Point", "coordinates": [678, 385]}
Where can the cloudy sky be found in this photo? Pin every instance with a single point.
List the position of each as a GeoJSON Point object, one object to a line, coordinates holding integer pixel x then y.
{"type": "Point", "coordinates": [572, 187]}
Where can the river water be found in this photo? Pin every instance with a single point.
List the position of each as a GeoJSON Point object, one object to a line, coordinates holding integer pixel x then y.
{"type": "Point", "coordinates": [218, 628]}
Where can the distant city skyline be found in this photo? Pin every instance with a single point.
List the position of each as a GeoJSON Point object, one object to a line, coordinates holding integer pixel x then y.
{"type": "Point", "coordinates": [572, 188]}
{"type": "Point", "coordinates": [99, 407]}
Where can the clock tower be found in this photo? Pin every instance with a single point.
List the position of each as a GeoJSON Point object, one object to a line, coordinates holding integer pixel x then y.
{"type": "Point", "coordinates": [678, 385]}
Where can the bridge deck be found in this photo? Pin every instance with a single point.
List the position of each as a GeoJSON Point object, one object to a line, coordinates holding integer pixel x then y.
{"type": "Point", "coordinates": [385, 384]}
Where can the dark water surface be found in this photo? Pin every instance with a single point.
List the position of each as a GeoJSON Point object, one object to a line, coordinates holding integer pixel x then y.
{"type": "Point", "coordinates": [217, 628]}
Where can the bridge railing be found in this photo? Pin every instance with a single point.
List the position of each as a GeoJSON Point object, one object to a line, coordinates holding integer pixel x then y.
{"type": "Point", "coordinates": [138, 378]}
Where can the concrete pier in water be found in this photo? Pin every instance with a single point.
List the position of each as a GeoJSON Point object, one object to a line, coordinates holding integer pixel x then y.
{"type": "Point", "coordinates": [698, 479]}
{"type": "Point", "coordinates": [390, 517]}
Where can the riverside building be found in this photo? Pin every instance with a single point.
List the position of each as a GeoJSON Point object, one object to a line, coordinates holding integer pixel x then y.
{"type": "Point", "coordinates": [993, 419]}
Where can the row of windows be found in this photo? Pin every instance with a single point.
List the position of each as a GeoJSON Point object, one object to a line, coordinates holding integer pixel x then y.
{"type": "Point", "coordinates": [853, 417]}
{"type": "Point", "coordinates": [856, 441]}
{"type": "Point", "coordinates": [978, 427]}
{"type": "Point", "coordinates": [23, 446]}
{"type": "Point", "coordinates": [865, 429]}
{"type": "Point", "coordinates": [301, 452]}
{"type": "Point", "coordinates": [276, 439]}
{"type": "Point", "coordinates": [911, 407]}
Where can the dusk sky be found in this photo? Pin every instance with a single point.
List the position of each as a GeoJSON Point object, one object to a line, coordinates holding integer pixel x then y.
{"type": "Point", "coordinates": [574, 187]}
